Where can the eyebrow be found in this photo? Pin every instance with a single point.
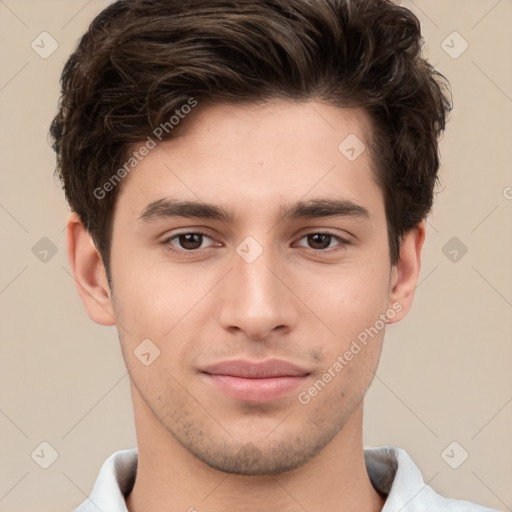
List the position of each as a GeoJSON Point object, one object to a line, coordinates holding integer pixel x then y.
{"type": "Point", "coordinates": [169, 208]}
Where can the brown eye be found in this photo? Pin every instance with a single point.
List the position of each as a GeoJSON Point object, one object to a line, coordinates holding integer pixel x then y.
{"type": "Point", "coordinates": [189, 241]}
{"type": "Point", "coordinates": [319, 240]}
{"type": "Point", "coordinates": [323, 242]}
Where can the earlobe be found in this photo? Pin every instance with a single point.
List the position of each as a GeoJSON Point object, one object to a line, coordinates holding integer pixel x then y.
{"type": "Point", "coordinates": [89, 273]}
{"type": "Point", "coordinates": [405, 273]}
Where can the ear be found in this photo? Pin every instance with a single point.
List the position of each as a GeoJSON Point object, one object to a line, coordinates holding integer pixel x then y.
{"type": "Point", "coordinates": [89, 272]}
{"type": "Point", "coordinates": [404, 275]}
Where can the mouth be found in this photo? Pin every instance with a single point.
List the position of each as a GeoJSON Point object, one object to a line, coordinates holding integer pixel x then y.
{"type": "Point", "coordinates": [255, 381]}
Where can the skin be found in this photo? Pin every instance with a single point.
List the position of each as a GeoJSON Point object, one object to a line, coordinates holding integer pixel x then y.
{"type": "Point", "coordinates": [199, 448]}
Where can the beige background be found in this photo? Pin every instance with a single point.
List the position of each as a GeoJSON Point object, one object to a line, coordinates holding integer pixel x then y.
{"type": "Point", "coordinates": [445, 371]}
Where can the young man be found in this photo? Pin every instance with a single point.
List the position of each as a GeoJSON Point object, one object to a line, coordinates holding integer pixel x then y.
{"type": "Point", "coordinates": [249, 182]}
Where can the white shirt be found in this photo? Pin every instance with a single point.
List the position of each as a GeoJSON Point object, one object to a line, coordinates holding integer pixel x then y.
{"type": "Point", "coordinates": [391, 471]}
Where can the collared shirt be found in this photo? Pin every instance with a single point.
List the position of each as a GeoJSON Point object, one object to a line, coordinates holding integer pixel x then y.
{"type": "Point", "coordinates": [392, 472]}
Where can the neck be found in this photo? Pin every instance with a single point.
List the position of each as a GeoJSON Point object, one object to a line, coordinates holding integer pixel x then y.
{"type": "Point", "coordinates": [171, 479]}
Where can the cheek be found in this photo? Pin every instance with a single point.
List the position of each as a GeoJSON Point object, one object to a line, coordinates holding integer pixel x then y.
{"type": "Point", "coordinates": [149, 298]}
{"type": "Point", "coordinates": [352, 304]}
{"type": "Point", "coordinates": [161, 312]}
{"type": "Point", "coordinates": [350, 299]}
{"type": "Point", "coordinates": [329, 405]}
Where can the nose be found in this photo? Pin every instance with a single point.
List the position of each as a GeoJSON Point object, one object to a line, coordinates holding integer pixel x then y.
{"type": "Point", "coordinates": [257, 298]}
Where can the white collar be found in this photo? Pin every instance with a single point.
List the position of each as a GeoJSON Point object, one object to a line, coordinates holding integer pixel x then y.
{"type": "Point", "coordinates": [391, 471]}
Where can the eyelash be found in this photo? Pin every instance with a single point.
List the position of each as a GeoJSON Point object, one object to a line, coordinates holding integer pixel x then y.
{"type": "Point", "coordinates": [169, 247]}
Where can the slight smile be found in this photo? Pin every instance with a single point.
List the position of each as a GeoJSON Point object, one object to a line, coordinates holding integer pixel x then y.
{"type": "Point", "coordinates": [255, 381]}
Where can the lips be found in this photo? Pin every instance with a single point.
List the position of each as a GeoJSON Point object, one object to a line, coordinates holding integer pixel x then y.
{"type": "Point", "coordinates": [256, 370]}
{"type": "Point", "coordinates": [255, 381]}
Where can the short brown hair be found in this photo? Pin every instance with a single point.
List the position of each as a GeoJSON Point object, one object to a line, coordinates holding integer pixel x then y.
{"type": "Point", "coordinates": [140, 60]}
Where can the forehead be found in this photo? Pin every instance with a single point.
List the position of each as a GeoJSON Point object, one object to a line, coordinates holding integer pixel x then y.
{"type": "Point", "coordinates": [259, 154]}
{"type": "Point", "coordinates": [273, 129]}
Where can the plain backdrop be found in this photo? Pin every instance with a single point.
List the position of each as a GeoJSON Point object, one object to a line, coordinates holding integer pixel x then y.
{"type": "Point", "coordinates": [443, 390]}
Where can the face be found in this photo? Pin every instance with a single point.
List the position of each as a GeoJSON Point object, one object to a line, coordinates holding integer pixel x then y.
{"type": "Point", "coordinates": [264, 303]}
